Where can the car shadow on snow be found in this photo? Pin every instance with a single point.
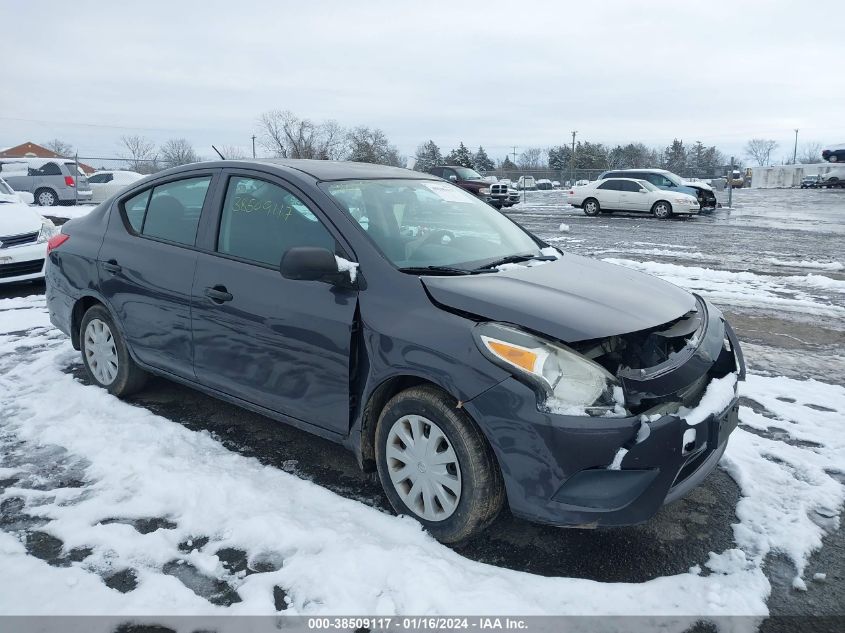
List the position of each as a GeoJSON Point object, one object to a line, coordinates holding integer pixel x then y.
{"type": "Point", "coordinates": [680, 536]}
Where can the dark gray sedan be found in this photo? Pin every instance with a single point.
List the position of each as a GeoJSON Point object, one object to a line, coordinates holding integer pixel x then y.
{"type": "Point", "coordinates": [463, 358]}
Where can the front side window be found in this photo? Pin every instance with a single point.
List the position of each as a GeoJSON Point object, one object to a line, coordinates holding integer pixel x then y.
{"type": "Point", "coordinates": [261, 221]}
{"type": "Point", "coordinates": [173, 211]}
{"type": "Point", "coordinates": [420, 223]}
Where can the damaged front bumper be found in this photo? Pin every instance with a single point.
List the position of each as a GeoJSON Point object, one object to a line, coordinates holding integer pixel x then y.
{"type": "Point", "coordinates": [565, 470]}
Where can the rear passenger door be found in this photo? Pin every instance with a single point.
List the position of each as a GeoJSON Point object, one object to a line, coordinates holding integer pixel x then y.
{"type": "Point", "coordinates": [278, 343]}
{"type": "Point", "coordinates": [147, 265]}
{"type": "Point", "coordinates": [608, 194]}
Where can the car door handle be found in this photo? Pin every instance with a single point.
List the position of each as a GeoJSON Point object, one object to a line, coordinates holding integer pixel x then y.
{"type": "Point", "coordinates": [111, 266]}
{"type": "Point", "coordinates": [218, 294]}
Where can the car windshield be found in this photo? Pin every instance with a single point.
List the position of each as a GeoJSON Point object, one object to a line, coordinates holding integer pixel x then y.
{"type": "Point", "coordinates": [419, 223]}
{"type": "Point", "coordinates": [675, 179]}
{"type": "Point", "coordinates": [465, 173]}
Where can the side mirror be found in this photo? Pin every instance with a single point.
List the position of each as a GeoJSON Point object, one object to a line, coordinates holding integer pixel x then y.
{"type": "Point", "coordinates": [309, 263]}
{"type": "Point", "coordinates": [643, 190]}
{"type": "Point", "coordinates": [453, 178]}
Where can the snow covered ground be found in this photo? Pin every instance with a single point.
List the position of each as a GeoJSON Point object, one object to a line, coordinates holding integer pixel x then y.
{"type": "Point", "coordinates": [108, 508]}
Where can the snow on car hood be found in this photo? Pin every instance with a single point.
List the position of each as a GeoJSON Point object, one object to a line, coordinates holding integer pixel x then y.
{"type": "Point", "coordinates": [697, 183]}
{"type": "Point", "coordinates": [17, 218]}
{"type": "Point", "coordinates": [572, 299]}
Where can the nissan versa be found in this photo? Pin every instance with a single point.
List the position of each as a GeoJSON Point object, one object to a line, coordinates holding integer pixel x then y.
{"type": "Point", "coordinates": [463, 358]}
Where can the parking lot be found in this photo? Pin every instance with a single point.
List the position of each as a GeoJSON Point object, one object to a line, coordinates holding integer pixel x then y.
{"type": "Point", "coordinates": [99, 496]}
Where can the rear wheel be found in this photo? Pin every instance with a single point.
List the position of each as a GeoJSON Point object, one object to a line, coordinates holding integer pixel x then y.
{"type": "Point", "coordinates": [105, 356]}
{"type": "Point", "coordinates": [833, 158]}
{"type": "Point", "coordinates": [46, 198]}
{"type": "Point", "coordinates": [662, 210]}
{"type": "Point", "coordinates": [591, 207]}
{"type": "Point", "coordinates": [436, 466]}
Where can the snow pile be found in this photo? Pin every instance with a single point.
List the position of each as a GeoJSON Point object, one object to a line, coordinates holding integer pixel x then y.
{"type": "Point", "coordinates": [747, 289]}
{"type": "Point", "coordinates": [792, 263]}
{"type": "Point", "coordinates": [344, 265]}
{"type": "Point", "coordinates": [333, 555]}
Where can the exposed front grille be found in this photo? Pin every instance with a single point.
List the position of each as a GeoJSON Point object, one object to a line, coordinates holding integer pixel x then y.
{"type": "Point", "coordinates": [18, 240]}
{"type": "Point", "coordinates": [499, 189]}
{"type": "Point", "coordinates": [21, 268]}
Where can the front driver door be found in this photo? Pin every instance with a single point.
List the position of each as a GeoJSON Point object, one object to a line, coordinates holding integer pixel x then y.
{"type": "Point", "coordinates": [281, 344]}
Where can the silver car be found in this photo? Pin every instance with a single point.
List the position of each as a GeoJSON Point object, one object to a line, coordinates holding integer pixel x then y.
{"type": "Point", "coordinates": [51, 181]}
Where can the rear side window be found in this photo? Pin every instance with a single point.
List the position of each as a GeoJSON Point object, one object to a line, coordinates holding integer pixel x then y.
{"type": "Point", "coordinates": [610, 185]}
{"type": "Point", "coordinates": [170, 211]}
{"type": "Point", "coordinates": [261, 221]}
{"type": "Point", "coordinates": [627, 185]}
{"type": "Point", "coordinates": [48, 169]}
{"type": "Point", "coordinates": [135, 208]}
{"type": "Point", "coordinates": [173, 212]}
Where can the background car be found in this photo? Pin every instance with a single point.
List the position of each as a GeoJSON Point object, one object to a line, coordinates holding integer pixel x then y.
{"type": "Point", "coordinates": [544, 184]}
{"type": "Point", "coordinates": [106, 183]}
{"type": "Point", "coordinates": [810, 181]}
{"type": "Point", "coordinates": [23, 238]}
{"type": "Point", "coordinates": [628, 194]}
{"type": "Point", "coordinates": [7, 194]}
{"type": "Point", "coordinates": [526, 182]}
{"type": "Point", "coordinates": [51, 181]}
{"type": "Point", "coordinates": [834, 178]}
{"type": "Point", "coordinates": [834, 154]}
{"type": "Point", "coordinates": [582, 182]}
{"type": "Point", "coordinates": [669, 181]}
{"type": "Point", "coordinates": [470, 180]}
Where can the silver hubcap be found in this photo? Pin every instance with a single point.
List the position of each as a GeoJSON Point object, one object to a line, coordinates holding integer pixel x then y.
{"type": "Point", "coordinates": [45, 199]}
{"type": "Point", "coordinates": [662, 210]}
{"type": "Point", "coordinates": [423, 467]}
{"type": "Point", "coordinates": [100, 352]}
{"type": "Point", "coordinates": [591, 207]}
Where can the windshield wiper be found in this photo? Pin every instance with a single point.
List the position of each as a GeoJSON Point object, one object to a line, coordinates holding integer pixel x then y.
{"type": "Point", "coordinates": [515, 259]}
{"type": "Point", "coordinates": [448, 270]}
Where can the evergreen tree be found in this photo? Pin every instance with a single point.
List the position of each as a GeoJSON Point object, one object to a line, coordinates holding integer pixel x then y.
{"type": "Point", "coordinates": [460, 156]}
{"type": "Point", "coordinates": [508, 163]}
{"type": "Point", "coordinates": [675, 157]}
{"type": "Point", "coordinates": [481, 161]}
{"type": "Point", "coordinates": [560, 157]}
{"type": "Point", "coordinates": [428, 155]}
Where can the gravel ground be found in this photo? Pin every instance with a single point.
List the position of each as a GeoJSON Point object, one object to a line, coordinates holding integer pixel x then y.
{"type": "Point", "coordinates": [789, 327]}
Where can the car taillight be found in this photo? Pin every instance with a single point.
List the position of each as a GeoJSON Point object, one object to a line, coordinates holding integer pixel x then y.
{"type": "Point", "coordinates": [69, 181]}
{"type": "Point", "coordinates": [571, 192]}
{"type": "Point", "coordinates": [57, 240]}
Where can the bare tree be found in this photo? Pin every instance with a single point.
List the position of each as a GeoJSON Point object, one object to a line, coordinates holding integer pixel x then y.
{"type": "Point", "coordinates": [140, 154]}
{"type": "Point", "coordinates": [370, 145]}
{"type": "Point", "coordinates": [286, 135]}
{"type": "Point", "coordinates": [810, 153]}
{"type": "Point", "coordinates": [232, 152]}
{"type": "Point", "coordinates": [531, 158]}
{"type": "Point", "coordinates": [177, 151]}
{"type": "Point", "coordinates": [60, 147]}
{"type": "Point", "coordinates": [760, 150]}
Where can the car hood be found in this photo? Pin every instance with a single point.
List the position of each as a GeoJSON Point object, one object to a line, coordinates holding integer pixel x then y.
{"type": "Point", "coordinates": [17, 218]}
{"type": "Point", "coordinates": [700, 185]}
{"type": "Point", "coordinates": [572, 299]}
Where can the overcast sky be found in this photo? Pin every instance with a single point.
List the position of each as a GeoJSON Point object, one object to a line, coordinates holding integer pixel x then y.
{"type": "Point", "coordinates": [497, 75]}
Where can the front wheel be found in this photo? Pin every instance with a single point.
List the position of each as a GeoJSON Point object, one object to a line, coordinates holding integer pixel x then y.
{"type": "Point", "coordinates": [833, 158]}
{"type": "Point", "coordinates": [591, 207]}
{"type": "Point", "coordinates": [662, 210]}
{"type": "Point", "coordinates": [436, 466]}
{"type": "Point", "coordinates": [105, 356]}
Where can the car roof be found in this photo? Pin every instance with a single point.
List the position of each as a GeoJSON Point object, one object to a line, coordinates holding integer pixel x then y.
{"type": "Point", "coordinates": [339, 169]}
{"type": "Point", "coordinates": [646, 169]}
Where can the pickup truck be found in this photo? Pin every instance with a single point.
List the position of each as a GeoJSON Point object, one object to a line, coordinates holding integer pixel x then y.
{"type": "Point", "coordinates": [497, 194]}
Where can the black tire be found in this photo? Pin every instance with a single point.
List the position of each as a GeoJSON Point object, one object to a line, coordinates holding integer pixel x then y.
{"type": "Point", "coordinates": [482, 492]}
{"type": "Point", "coordinates": [662, 210]}
{"type": "Point", "coordinates": [833, 158]}
{"type": "Point", "coordinates": [46, 197]}
{"type": "Point", "coordinates": [130, 378]}
{"type": "Point", "coordinates": [591, 207]}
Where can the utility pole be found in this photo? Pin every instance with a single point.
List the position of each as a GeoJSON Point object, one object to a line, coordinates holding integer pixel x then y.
{"type": "Point", "coordinates": [795, 149]}
{"type": "Point", "coordinates": [572, 160]}
{"type": "Point", "coordinates": [253, 145]}
{"type": "Point", "coordinates": [513, 153]}
{"type": "Point", "coordinates": [730, 184]}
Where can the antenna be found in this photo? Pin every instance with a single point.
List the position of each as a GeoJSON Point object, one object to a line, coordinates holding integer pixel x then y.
{"type": "Point", "coordinates": [218, 153]}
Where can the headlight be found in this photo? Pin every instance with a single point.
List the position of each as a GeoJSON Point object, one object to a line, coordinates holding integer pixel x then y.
{"type": "Point", "coordinates": [484, 191]}
{"type": "Point", "coordinates": [48, 230]}
{"type": "Point", "coordinates": [568, 382]}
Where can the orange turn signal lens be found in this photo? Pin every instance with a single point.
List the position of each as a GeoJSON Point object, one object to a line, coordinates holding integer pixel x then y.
{"type": "Point", "coordinates": [515, 355]}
